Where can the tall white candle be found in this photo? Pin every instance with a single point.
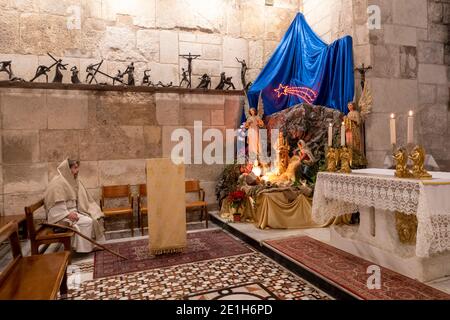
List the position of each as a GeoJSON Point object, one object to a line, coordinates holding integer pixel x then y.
{"type": "Point", "coordinates": [393, 130]}
{"type": "Point", "coordinates": [330, 134]}
{"type": "Point", "coordinates": [410, 138]}
{"type": "Point", "coordinates": [343, 134]}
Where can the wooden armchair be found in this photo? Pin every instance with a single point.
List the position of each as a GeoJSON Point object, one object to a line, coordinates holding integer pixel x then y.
{"type": "Point", "coordinates": [115, 192]}
{"type": "Point", "coordinates": [44, 235]}
{"type": "Point", "coordinates": [193, 186]}
{"type": "Point", "coordinates": [142, 207]}
{"type": "Point", "coordinates": [32, 278]}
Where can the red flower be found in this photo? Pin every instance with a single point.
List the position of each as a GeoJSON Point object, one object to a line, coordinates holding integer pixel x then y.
{"type": "Point", "coordinates": [236, 198]}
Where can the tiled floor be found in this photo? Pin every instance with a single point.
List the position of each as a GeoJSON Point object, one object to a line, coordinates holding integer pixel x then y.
{"type": "Point", "coordinates": [192, 279]}
{"type": "Point", "coordinates": [177, 282]}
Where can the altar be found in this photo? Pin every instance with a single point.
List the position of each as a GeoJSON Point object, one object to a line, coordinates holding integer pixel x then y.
{"type": "Point", "coordinates": [404, 223]}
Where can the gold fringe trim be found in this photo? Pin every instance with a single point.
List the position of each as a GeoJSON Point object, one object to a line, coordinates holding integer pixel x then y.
{"type": "Point", "coordinates": [157, 252]}
{"type": "Point", "coordinates": [435, 183]}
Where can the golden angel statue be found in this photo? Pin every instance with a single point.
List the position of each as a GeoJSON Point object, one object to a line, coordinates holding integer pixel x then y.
{"type": "Point", "coordinates": [418, 158]}
{"type": "Point", "coordinates": [253, 123]}
{"type": "Point", "coordinates": [354, 124]}
{"type": "Point", "coordinates": [401, 160]}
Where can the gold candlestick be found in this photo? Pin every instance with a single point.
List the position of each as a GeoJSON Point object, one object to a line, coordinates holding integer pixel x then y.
{"type": "Point", "coordinates": [401, 163]}
{"type": "Point", "coordinates": [417, 156]}
{"type": "Point", "coordinates": [345, 157]}
{"type": "Point", "coordinates": [332, 159]}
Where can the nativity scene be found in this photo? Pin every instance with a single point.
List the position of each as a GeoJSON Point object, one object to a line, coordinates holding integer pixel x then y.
{"type": "Point", "coordinates": [323, 175]}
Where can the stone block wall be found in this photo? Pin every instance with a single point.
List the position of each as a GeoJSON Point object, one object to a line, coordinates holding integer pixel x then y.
{"type": "Point", "coordinates": [330, 19]}
{"type": "Point", "coordinates": [411, 72]}
{"type": "Point", "coordinates": [152, 33]}
{"type": "Point", "coordinates": [410, 58]}
{"type": "Point", "coordinates": [112, 133]}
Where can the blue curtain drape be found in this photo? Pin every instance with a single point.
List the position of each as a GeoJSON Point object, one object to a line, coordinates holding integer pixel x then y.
{"type": "Point", "coordinates": [308, 70]}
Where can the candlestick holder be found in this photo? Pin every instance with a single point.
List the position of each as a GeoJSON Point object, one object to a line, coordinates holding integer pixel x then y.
{"type": "Point", "coordinates": [417, 156]}
{"type": "Point", "coordinates": [400, 156]}
{"type": "Point", "coordinates": [345, 158]}
{"type": "Point", "coordinates": [332, 159]}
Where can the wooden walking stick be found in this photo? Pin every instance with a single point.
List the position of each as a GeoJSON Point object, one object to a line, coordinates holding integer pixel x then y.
{"type": "Point", "coordinates": [83, 236]}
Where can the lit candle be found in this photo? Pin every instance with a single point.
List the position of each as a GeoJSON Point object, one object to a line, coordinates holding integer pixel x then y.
{"type": "Point", "coordinates": [330, 135]}
{"type": "Point", "coordinates": [343, 134]}
{"type": "Point", "coordinates": [393, 130]}
{"type": "Point", "coordinates": [410, 138]}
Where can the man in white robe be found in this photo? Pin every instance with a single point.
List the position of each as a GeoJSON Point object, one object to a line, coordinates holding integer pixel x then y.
{"type": "Point", "coordinates": [67, 202]}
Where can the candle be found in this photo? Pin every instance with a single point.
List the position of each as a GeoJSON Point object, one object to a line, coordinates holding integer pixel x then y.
{"type": "Point", "coordinates": [410, 138]}
{"type": "Point", "coordinates": [393, 130]}
{"type": "Point", "coordinates": [330, 134]}
{"type": "Point", "coordinates": [343, 134]}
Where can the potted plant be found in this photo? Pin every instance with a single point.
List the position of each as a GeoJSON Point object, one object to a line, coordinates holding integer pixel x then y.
{"type": "Point", "coordinates": [236, 199]}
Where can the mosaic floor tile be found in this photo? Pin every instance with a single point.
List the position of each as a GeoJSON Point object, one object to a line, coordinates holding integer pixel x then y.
{"type": "Point", "coordinates": [177, 282]}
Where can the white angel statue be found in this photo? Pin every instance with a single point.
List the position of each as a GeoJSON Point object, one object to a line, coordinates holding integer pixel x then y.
{"type": "Point", "coordinates": [253, 123]}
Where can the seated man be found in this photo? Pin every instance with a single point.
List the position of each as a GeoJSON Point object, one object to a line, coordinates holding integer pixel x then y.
{"type": "Point", "coordinates": [67, 202]}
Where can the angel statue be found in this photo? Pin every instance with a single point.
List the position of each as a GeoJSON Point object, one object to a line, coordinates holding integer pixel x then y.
{"type": "Point", "coordinates": [354, 125]}
{"type": "Point", "coordinates": [253, 123]}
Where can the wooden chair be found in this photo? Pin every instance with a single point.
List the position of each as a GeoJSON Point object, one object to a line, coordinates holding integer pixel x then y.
{"type": "Point", "coordinates": [142, 207]}
{"type": "Point", "coordinates": [114, 192]}
{"type": "Point", "coordinates": [194, 186]}
{"type": "Point", "coordinates": [36, 277]}
{"type": "Point", "coordinates": [44, 235]}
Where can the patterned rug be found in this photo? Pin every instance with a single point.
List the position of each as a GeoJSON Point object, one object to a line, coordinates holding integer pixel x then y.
{"type": "Point", "coordinates": [249, 291]}
{"type": "Point", "coordinates": [203, 245]}
{"type": "Point", "coordinates": [350, 272]}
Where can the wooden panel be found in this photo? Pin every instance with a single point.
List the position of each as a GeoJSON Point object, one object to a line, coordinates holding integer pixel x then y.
{"type": "Point", "coordinates": [192, 185]}
{"type": "Point", "coordinates": [166, 203]}
{"type": "Point", "coordinates": [143, 190]}
{"type": "Point", "coordinates": [115, 191]}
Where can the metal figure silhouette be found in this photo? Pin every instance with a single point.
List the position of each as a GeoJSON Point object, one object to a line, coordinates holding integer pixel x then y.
{"type": "Point", "coordinates": [189, 57]}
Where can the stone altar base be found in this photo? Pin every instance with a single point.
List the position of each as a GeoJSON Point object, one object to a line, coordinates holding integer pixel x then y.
{"type": "Point", "coordinates": [376, 239]}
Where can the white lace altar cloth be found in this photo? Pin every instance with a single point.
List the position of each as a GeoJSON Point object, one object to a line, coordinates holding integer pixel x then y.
{"type": "Point", "coordinates": [337, 194]}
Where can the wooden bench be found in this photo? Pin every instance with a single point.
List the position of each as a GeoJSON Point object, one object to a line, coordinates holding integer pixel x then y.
{"type": "Point", "coordinates": [44, 235]}
{"type": "Point", "coordinates": [19, 218]}
{"type": "Point", "coordinates": [31, 278]}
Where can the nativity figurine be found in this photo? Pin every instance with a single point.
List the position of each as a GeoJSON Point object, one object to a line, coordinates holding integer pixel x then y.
{"type": "Point", "coordinates": [253, 123]}
{"type": "Point", "coordinates": [354, 127]}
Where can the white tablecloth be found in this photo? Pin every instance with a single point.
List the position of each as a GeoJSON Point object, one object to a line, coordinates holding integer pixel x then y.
{"type": "Point", "coordinates": [337, 194]}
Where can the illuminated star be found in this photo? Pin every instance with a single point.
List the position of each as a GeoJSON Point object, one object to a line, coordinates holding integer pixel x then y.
{"type": "Point", "coordinates": [281, 90]}
{"type": "Point", "coordinates": [305, 93]}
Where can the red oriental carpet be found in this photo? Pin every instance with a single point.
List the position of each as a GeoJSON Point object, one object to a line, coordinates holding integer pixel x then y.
{"type": "Point", "coordinates": [203, 245]}
{"type": "Point", "coordinates": [350, 272]}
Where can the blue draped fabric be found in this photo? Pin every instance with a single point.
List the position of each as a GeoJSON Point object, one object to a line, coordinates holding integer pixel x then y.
{"type": "Point", "coordinates": [303, 68]}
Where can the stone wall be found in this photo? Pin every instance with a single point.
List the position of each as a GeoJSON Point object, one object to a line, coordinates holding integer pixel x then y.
{"type": "Point", "coordinates": [330, 19]}
{"type": "Point", "coordinates": [410, 58]}
{"type": "Point", "coordinates": [152, 33]}
{"type": "Point", "coordinates": [112, 133]}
